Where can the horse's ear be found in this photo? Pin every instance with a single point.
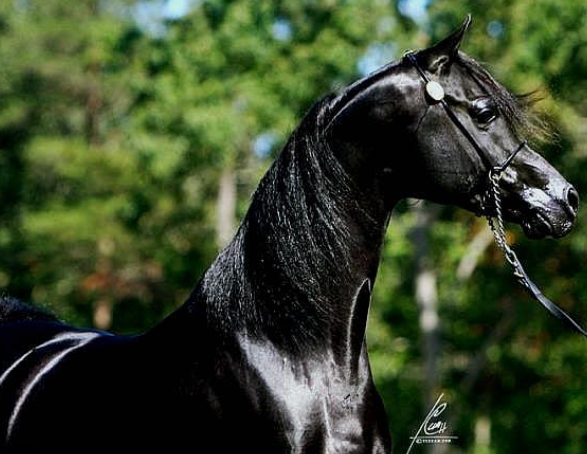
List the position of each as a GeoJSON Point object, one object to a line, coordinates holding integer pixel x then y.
{"type": "Point", "coordinates": [440, 56]}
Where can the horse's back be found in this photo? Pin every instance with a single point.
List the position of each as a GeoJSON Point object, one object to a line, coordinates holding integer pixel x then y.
{"type": "Point", "coordinates": [13, 310]}
{"type": "Point", "coordinates": [22, 328]}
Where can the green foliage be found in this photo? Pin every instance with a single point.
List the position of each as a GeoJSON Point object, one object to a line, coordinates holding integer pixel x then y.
{"type": "Point", "coordinates": [113, 138]}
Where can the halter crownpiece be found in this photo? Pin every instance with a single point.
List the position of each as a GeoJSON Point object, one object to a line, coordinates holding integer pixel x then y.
{"type": "Point", "coordinates": [436, 93]}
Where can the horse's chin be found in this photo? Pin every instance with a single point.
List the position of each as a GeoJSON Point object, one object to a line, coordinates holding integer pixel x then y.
{"type": "Point", "coordinates": [535, 224]}
{"type": "Point", "coordinates": [539, 226]}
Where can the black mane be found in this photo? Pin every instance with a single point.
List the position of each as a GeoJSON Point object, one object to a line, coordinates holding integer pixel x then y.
{"type": "Point", "coordinates": [286, 256]}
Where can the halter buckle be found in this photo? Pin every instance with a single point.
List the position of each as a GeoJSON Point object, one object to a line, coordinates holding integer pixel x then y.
{"type": "Point", "coordinates": [434, 90]}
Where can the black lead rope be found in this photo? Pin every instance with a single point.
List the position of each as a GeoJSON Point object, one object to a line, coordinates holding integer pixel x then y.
{"type": "Point", "coordinates": [436, 93]}
{"type": "Point", "coordinates": [551, 307]}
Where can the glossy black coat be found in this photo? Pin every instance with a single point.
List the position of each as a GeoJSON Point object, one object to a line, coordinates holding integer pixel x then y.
{"type": "Point", "coordinates": [268, 353]}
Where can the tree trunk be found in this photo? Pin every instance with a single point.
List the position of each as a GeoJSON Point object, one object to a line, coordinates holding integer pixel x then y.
{"type": "Point", "coordinates": [103, 313]}
{"type": "Point", "coordinates": [93, 106]}
{"type": "Point", "coordinates": [426, 295]}
{"type": "Point", "coordinates": [226, 207]}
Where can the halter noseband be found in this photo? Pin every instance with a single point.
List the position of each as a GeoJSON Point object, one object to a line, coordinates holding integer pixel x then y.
{"type": "Point", "coordinates": [435, 93]}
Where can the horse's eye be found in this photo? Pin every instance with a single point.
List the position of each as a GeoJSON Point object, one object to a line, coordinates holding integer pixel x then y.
{"type": "Point", "coordinates": [483, 111]}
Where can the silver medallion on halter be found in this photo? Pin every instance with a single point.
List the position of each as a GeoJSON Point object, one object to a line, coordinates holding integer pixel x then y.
{"type": "Point", "coordinates": [435, 90]}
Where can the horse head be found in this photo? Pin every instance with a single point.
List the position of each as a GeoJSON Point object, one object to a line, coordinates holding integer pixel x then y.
{"type": "Point", "coordinates": [435, 124]}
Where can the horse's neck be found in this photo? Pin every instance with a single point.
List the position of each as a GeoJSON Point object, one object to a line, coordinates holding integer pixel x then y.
{"type": "Point", "coordinates": [300, 269]}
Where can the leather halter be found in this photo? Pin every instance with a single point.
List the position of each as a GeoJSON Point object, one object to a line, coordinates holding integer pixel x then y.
{"type": "Point", "coordinates": [435, 94]}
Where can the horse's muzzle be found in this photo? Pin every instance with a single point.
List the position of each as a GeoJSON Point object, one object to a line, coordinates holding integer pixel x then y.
{"type": "Point", "coordinates": [549, 213]}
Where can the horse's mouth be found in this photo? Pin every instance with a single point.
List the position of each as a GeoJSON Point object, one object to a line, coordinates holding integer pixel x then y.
{"type": "Point", "coordinates": [534, 222]}
{"type": "Point", "coordinates": [537, 225]}
{"type": "Point", "coordinates": [537, 222]}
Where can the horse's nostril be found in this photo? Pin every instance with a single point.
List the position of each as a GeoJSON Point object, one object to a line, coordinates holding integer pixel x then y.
{"type": "Point", "coordinates": [573, 199]}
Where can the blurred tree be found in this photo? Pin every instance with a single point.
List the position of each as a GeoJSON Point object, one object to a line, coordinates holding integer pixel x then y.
{"type": "Point", "coordinates": [62, 71]}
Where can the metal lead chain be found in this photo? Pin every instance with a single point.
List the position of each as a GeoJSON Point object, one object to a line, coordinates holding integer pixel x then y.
{"type": "Point", "coordinates": [496, 224]}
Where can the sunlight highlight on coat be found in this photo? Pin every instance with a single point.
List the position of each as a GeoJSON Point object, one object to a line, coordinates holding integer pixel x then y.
{"type": "Point", "coordinates": [79, 339]}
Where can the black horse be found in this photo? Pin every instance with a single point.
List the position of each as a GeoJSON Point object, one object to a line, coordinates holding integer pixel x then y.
{"type": "Point", "coordinates": [268, 353]}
